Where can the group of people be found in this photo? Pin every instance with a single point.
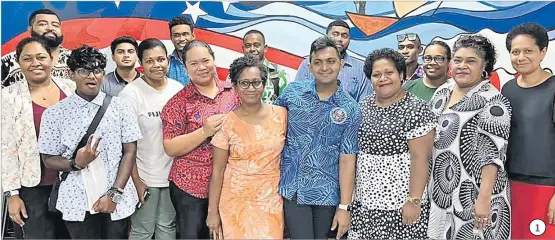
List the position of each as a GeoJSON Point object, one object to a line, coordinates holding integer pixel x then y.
{"type": "Point", "coordinates": [381, 149]}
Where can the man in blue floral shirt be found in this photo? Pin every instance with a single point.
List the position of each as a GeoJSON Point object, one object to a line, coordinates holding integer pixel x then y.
{"type": "Point", "coordinates": [181, 32]}
{"type": "Point", "coordinates": [318, 161]}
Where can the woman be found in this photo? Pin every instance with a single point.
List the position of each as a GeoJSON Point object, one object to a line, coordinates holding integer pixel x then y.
{"type": "Point", "coordinates": [25, 179]}
{"type": "Point", "coordinates": [148, 95]}
{"type": "Point", "coordinates": [468, 184]}
{"type": "Point", "coordinates": [530, 152]}
{"type": "Point", "coordinates": [248, 148]}
{"type": "Point", "coordinates": [395, 138]}
{"type": "Point", "coordinates": [189, 119]}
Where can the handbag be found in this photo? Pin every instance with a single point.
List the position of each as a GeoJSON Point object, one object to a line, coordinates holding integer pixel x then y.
{"type": "Point", "coordinates": [92, 128]}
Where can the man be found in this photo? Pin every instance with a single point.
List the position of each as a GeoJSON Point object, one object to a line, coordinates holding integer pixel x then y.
{"type": "Point", "coordinates": [436, 64]}
{"type": "Point", "coordinates": [351, 76]}
{"type": "Point", "coordinates": [110, 151]}
{"type": "Point", "coordinates": [181, 32]}
{"type": "Point", "coordinates": [410, 47]}
{"type": "Point", "coordinates": [318, 161]}
{"type": "Point", "coordinates": [254, 43]}
{"type": "Point", "coordinates": [124, 54]}
{"type": "Point", "coordinates": [44, 24]}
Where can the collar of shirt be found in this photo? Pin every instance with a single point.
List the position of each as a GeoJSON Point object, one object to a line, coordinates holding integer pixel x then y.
{"type": "Point", "coordinates": [418, 73]}
{"type": "Point", "coordinates": [98, 100]}
{"type": "Point", "coordinates": [349, 61]}
{"type": "Point", "coordinates": [450, 84]}
{"type": "Point", "coordinates": [335, 98]}
{"type": "Point", "coordinates": [175, 56]}
{"type": "Point", "coordinates": [191, 90]}
{"type": "Point", "coordinates": [268, 64]}
{"type": "Point", "coordinates": [120, 79]}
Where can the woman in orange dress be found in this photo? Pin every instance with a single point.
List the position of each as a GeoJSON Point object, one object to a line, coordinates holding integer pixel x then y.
{"type": "Point", "coordinates": [243, 198]}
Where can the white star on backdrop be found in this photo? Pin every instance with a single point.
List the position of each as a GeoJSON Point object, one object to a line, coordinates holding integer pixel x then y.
{"type": "Point", "coordinates": [225, 5]}
{"type": "Point", "coordinates": [194, 11]}
{"type": "Point", "coordinates": [117, 3]}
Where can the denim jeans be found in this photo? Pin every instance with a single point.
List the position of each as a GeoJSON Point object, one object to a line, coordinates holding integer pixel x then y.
{"type": "Point", "coordinates": [191, 214]}
{"type": "Point", "coordinates": [98, 226]}
{"type": "Point", "coordinates": [156, 217]}
{"type": "Point", "coordinates": [308, 221]}
{"type": "Point", "coordinates": [41, 223]}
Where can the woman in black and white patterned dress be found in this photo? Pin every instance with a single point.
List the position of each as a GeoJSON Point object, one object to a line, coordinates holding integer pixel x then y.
{"type": "Point", "coordinates": [395, 138]}
{"type": "Point", "coordinates": [468, 186]}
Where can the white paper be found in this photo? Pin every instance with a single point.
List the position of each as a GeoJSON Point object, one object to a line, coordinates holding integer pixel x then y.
{"type": "Point", "coordinates": [95, 180]}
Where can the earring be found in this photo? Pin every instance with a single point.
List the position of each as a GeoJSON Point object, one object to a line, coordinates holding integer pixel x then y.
{"type": "Point", "coordinates": [485, 75]}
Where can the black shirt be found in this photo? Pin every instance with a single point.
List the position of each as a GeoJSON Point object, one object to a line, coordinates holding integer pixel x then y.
{"type": "Point", "coordinates": [531, 149]}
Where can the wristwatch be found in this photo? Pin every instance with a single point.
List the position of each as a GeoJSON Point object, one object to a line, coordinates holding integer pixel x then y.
{"type": "Point", "coordinates": [116, 196]}
{"type": "Point", "coordinates": [344, 207]}
{"type": "Point", "coordinates": [414, 200]}
{"type": "Point", "coordinates": [8, 194]}
{"type": "Point", "coordinates": [74, 166]}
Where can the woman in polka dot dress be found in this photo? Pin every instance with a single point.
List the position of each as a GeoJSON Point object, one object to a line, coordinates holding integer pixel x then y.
{"type": "Point", "coordinates": [395, 138]}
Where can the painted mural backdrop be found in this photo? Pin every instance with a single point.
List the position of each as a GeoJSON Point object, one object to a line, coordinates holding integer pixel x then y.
{"type": "Point", "coordinates": [289, 27]}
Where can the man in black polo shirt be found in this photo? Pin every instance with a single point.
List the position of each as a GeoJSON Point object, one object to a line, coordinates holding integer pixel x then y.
{"type": "Point", "coordinates": [124, 54]}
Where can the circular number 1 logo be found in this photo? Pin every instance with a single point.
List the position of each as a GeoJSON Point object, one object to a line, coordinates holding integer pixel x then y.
{"type": "Point", "coordinates": [537, 227]}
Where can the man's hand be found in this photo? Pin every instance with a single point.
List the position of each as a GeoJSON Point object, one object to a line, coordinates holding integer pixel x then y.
{"type": "Point", "coordinates": [16, 208]}
{"type": "Point", "coordinates": [341, 221]}
{"type": "Point", "coordinates": [104, 205]}
{"type": "Point", "coordinates": [213, 124]}
{"type": "Point", "coordinates": [551, 210]}
{"type": "Point", "coordinates": [141, 189]}
{"type": "Point", "coordinates": [88, 153]}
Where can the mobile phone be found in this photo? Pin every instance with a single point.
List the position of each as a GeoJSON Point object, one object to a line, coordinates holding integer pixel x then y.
{"type": "Point", "coordinates": [145, 197]}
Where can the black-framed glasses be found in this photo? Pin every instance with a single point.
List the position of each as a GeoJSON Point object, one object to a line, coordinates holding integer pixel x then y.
{"type": "Point", "coordinates": [82, 72]}
{"type": "Point", "coordinates": [244, 84]}
{"type": "Point", "coordinates": [438, 59]}
{"type": "Point", "coordinates": [409, 36]}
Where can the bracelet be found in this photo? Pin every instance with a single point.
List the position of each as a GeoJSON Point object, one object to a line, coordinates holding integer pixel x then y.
{"type": "Point", "coordinates": [73, 165]}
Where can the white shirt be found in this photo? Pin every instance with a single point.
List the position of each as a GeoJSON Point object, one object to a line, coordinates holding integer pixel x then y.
{"type": "Point", "coordinates": [147, 102]}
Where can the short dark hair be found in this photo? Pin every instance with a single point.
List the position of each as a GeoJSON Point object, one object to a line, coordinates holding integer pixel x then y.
{"type": "Point", "coordinates": [123, 39]}
{"type": "Point", "coordinates": [180, 20]}
{"type": "Point", "coordinates": [443, 45]}
{"type": "Point", "coordinates": [537, 32]}
{"type": "Point", "coordinates": [322, 43]}
{"type": "Point", "coordinates": [254, 31]}
{"type": "Point", "coordinates": [388, 54]}
{"type": "Point", "coordinates": [147, 44]}
{"type": "Point", "coordinates": [338, 23]}
{"type": "Point", "coordinates": [240, 64]}
{"type": "Point", "coordinates": [195, 43]}
{"type": "Point", "coordinates": [25, 41]}
{"type": "Point", "coordinates": [482, 46]}
{"type": "Point", "coordinates": [86, 57]}
{"type": "Point", "coordinates": [41, 11]}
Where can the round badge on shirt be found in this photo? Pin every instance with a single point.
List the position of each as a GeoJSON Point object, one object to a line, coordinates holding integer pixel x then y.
{"type": "Point", "coordinates": [338, 115]}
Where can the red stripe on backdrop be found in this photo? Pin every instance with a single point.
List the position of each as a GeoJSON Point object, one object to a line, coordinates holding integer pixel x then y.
{"type": "Point", "coordinates": [88, 30]}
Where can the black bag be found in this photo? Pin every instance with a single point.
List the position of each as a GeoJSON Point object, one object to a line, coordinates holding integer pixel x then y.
{"type": "Point", "coordinates": [92, 128]}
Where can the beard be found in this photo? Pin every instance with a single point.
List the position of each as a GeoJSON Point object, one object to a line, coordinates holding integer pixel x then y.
{"type": "Point", "coordinates": [52, 42]}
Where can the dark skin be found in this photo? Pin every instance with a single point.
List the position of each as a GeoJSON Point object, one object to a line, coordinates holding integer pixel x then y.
{"type": "Point", "coordinates": [86, 155]}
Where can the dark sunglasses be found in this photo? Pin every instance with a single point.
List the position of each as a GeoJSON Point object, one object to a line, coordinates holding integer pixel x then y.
{"type": "Point", "coordinates": [409, 36]}
{"type": "Point", "coordinates": [438, 59]}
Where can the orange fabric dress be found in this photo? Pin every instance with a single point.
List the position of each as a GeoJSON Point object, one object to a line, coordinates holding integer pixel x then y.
{"type": "Point", "coordinates": [250, 205]}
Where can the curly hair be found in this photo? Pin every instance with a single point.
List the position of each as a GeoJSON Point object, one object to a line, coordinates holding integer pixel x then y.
{"type": "Point", "coordinates": [247, 61]}
{"type": "Point", "coordinates": [388, 54]}
{"type": "Point", "coordinates": [537, 32]}
{"type": "Point", "coordinates": [482, 46]}
{"type": "Point", "coordinates": [86, 57]}
{"type": "Point", "coordinates": [196, 43]}
{"type": "Point", "coordinates": [180, 20]}
{"type": "Point", "coordinates": [25, 41]}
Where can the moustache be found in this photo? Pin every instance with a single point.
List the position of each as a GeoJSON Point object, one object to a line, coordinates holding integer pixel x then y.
{"type": "Point", "coordinates": [54, 33]}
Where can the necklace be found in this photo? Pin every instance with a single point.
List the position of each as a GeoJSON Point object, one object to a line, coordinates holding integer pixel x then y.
{"type": "Point", "coordinates": [47, 89]}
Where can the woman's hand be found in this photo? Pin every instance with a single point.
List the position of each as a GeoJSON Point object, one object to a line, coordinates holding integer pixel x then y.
{"type": "Point", "coordinates": [410, 213]}
{"type": "Point", "coordinates": [482, 209]}
{"type": "Point", "coordinates": [214, 223]}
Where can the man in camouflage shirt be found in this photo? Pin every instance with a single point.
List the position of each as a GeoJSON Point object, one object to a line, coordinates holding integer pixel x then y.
{"type": "Point", "coordinates": [254, 44]}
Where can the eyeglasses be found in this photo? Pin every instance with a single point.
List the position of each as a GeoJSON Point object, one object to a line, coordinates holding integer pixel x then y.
{"type": "Point", "coordinates": [86, 72]}
{"type": "Point", "coordinates": [244, 84]}
{"type": "Point", "coordinates": [409, 36]}
{"type": "Point", "coordinates": [438, 59]}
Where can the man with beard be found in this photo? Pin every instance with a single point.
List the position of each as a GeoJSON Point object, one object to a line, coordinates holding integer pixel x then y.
{"type": "Point", "coordinates": [351, 76]}
{"type": "Point", "coordinates": [254, 43]}
{"type": "Point", "coordinates": [124, 54]}
{"type": "Point", "coordinates": [181, 32]}
{"type": "Point", "coordinates": [46, 25]}
{"type": "Point", "coordinates": [410, 47]}
{"type": "Point", "coordinates": [436, 64]}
